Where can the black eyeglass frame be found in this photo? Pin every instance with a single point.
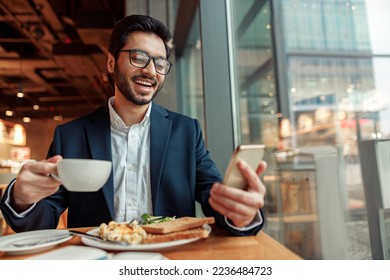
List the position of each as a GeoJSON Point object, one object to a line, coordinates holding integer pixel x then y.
{"type": "Point", "coordinates": [149, 59]}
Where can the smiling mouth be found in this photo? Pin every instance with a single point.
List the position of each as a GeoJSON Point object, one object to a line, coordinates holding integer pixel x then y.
{"type": "Point", "coordinates": [144, 83]}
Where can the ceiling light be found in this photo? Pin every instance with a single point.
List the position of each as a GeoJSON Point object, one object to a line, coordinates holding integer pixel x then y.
{"type": "Point", "coordinates": [26, 119]}
{"type": "Point", "coordinates": [57, 118]}
{"type": "Point", "coordinates": [9, 113]}
{"type": "Point", "coordinates": [20, 92]}
{"type": "Point", "coordinates": [36, 107]}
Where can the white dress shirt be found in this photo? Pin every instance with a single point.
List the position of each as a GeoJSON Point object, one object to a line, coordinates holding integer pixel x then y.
{"type": "Point", "coordinates": [131, 166]}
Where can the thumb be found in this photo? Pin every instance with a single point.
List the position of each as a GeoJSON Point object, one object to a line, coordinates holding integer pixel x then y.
{"type": "Point", "coordinates": [54, 159]}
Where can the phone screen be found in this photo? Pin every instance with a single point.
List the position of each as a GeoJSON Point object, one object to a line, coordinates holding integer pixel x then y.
{"type": "Point", "coordinates": [252, 155]}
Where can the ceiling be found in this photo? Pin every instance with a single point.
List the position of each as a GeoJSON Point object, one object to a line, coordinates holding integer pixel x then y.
{"type": "Point", "coordinates": [54, 51]}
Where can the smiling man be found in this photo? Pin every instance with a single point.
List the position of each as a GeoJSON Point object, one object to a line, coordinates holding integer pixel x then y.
{"type": "Point", "coordinates": [160, 163]}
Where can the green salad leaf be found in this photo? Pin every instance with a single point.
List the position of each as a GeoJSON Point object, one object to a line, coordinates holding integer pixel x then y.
{"type": "Point", "coordinates": [149, 219]}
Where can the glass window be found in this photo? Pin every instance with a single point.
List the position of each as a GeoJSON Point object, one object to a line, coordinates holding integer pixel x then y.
{"type": "Point", "coordinates": [191, 79]}
{"type": "Point", "coordinates": [255, 72]}
{"type": "Point", "coordinates": [326, 62]}
{"type": "Point", "coordinates": [336, 53]}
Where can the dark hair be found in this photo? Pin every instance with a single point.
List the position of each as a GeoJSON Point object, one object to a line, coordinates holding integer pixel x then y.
{"type": "Point", "coordinates": [133, 23]}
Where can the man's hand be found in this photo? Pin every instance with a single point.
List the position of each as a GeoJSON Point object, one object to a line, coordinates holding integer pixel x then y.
{"type": "Point", "coordinates": [34, 183]}
{"type": "Point", "coordinates": [240, 206]}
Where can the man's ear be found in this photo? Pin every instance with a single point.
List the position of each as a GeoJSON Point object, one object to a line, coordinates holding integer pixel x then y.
{"type": "Point", "coordinates": [110, 63]}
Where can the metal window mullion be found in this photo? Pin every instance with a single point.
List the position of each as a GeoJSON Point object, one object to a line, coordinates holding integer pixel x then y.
{"type": "Point", "coordinates": [216, 81]}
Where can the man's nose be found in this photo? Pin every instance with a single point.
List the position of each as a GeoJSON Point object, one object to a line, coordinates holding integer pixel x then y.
{"type": "Point", "coordinates": [150, 68]}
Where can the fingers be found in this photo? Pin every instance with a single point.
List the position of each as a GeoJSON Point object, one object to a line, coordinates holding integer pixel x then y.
{"type": "Point", "coordinates": [253, 180]}
{"type": "Point", "coordinates": [54, 159]}
{"type": "Point", "coordinates": [240, 206]}
{"type": "Point", "coordinates": [33, 181]}
{"type": "Point", "coordinates": [240, 214]}
{"type": "Point", "coordinates": [261, 168]}
{"type": "Point", "coordinates": [231, 198]}
{"type": "Point", "coordinates": [39, 168]}
{"type": "Point", "coordinates": [37, 174]}
{"type": "Point", "coordinates": [29, 194]}
{"type": "Point", "coordinates": [237, 205]}
{"type": "Point", "coordinates": [238, 219]}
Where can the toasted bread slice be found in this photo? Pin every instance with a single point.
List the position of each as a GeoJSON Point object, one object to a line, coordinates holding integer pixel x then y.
{"type": "Point", "coordinates": [198, 232]}
{"type": "Point", "coordinates": [179, 224]}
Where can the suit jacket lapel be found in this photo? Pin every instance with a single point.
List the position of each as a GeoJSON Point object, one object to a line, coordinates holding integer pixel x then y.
{"type": "Point", "coordinates": [160, 130]}
{"type": "Point", "coordinates": [98, 134]}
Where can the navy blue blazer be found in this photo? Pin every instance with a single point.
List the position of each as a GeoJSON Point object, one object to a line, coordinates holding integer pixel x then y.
{"type": "Point", "coordinates": [181, 170]}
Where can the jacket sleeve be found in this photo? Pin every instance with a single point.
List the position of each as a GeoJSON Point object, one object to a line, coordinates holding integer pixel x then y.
{"type": "Point", "coordinates": [207, 174]}
{"type": "Point", "coordinates": [44, 214]}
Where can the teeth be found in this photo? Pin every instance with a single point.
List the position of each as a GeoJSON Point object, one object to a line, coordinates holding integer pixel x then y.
{"type": "Point", "coordinates": [145, 83]}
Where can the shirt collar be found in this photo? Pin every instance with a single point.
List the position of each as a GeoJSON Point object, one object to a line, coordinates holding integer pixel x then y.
{"type": "Point", "coordinates": [116, 120]}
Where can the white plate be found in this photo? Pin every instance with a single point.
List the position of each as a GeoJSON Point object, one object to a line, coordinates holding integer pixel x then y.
{"type": "Point", "coordinates": [76, 252]}
{"type": "Point", "coordinates": [135, 247]}
{"type": "Point", "coordinates": [73, 252]}
{"type": "Point", "coordinates": [6, 242]}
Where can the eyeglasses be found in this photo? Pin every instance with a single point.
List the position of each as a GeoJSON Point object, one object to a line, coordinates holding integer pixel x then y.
{"type": "Point", "coordinates": [141, 59]}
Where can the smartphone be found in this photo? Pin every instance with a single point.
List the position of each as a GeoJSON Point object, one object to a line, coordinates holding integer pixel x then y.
{"type": "Point", "coordinates": [252, 155]}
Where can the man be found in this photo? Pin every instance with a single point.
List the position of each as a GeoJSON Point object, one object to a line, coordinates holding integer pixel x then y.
{"type": "Point", "coordinates": [160, 163]}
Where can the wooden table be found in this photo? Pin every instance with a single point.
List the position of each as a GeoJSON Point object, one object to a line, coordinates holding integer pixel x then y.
{"type": "Point", "coordinates": [219, 246]}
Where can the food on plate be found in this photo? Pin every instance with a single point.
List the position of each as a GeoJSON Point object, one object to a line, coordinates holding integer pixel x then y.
{"type": "Point", "coordinates": [178, 224]}
{"type": "Point", "coordinates": [131, 233]}
{"type": "Point", "coordinates": [148, 219]}
{"type": "Point", "coordinates": [198, 232]}
{"type": "Point", "coordinates": [177, 229]}
{"type": "Point", "coordinates": [164, 231]}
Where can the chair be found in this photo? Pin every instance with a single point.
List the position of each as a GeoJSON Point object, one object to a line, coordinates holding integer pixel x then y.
{"type": "Point", "coordinates": [63, 222]}
{"type": "Point", "coordinates": [2, 221]}
{"type": "Point", "coordinates": [384, 227]}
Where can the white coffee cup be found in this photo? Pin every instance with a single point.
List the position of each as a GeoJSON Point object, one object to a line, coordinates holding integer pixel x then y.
{"type": "Point", "coordinates": [83, 175]}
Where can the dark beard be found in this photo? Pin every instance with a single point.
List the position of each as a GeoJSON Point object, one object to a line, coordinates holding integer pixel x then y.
{"type": "Point", "coordinates": [123, 86]}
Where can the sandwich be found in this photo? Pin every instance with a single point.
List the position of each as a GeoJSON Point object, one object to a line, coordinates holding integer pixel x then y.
{"type": "Point", "coordinates": [170, 230]}
{"type": "Point", "coordinates": [181, 228]}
